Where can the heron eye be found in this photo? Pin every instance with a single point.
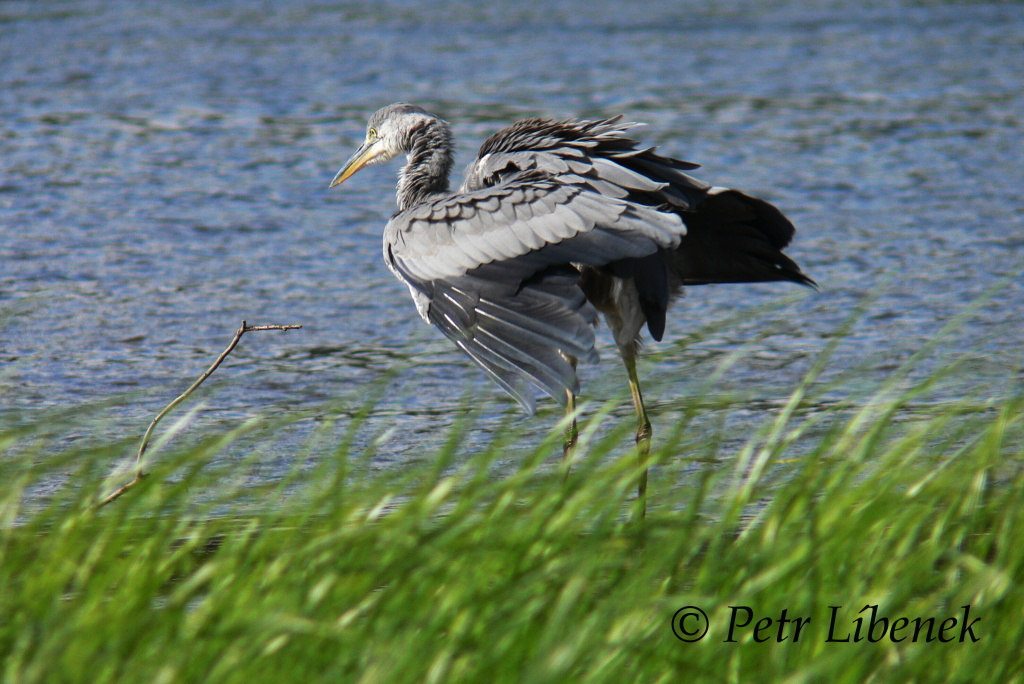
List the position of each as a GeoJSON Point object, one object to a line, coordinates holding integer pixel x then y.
{"type": "Point", "coordinates": [373, 134]}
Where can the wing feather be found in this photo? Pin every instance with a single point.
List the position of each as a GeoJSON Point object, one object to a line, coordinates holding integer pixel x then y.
{"type": "Point", "coordinates": [520, 337]}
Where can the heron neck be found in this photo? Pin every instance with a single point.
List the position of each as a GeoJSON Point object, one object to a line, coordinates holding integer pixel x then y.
{"type": "Point", "coordinates": [429, 163]}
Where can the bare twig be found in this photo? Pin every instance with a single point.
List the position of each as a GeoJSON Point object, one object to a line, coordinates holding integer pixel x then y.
{"type": "Point", "coordinates": [139, 474]}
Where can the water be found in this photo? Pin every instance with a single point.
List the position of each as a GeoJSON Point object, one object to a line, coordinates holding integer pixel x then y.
{"type": "Point", "coordinates": [164, 171]}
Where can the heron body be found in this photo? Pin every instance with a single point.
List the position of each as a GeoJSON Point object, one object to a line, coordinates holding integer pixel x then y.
{"type": "Point", "coordinates": [555, 223]}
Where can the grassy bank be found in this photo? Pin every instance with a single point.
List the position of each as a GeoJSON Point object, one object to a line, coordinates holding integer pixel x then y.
{"type": "Point", "coordinates": [466, 568]}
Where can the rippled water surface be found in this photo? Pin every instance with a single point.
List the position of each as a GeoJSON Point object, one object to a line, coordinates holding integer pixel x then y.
{"type": "Point", "coordinates": [164, 171]}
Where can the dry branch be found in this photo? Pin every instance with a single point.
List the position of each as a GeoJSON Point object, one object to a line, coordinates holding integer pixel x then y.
{"type": "Point", "coordinates": [139, 474]}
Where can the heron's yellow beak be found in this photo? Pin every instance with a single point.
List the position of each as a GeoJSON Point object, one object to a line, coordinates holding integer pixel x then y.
{"type": "Point", "coordinates": [366, 153]}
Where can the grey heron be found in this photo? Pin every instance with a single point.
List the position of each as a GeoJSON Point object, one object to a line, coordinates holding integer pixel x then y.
{"type": "Point", "coordinates": [555, 222]}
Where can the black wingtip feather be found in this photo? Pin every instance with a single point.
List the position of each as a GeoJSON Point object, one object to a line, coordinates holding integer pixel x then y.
{"type": "Point", "coordinates": [732, 237]}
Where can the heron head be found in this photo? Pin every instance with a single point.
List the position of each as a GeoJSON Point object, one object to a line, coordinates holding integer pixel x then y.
{"type": "Point", "coordinates": [387, 135]}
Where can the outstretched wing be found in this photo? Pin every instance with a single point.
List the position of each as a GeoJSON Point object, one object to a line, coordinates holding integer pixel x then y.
{"type": "Point", "coordinates": [493, 268]}
{"type": "Point", "coordinates": [730, 236]}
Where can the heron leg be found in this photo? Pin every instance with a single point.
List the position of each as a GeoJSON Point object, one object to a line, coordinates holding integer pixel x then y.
{"type": "Point", "coordinates": [571, 433]}
{"type": "Point", "coordinates": [643, 429]}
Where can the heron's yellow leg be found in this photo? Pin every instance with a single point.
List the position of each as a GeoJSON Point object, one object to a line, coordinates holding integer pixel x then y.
{"type": "Point", "coordinates": [643, 434]}
{"type": "Point", "coordinates": [571, 433]}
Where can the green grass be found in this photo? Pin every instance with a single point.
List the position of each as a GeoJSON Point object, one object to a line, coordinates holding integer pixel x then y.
{"type": "Point", "coordinates": [463, 568]}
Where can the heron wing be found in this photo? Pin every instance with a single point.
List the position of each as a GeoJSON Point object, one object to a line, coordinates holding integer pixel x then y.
{"type": "Point", "coordinates": [494, 270]}
{"type": "Point", "coordinates": [526, 223]}
{"type": "Point", "coordinates": [730, 236]}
